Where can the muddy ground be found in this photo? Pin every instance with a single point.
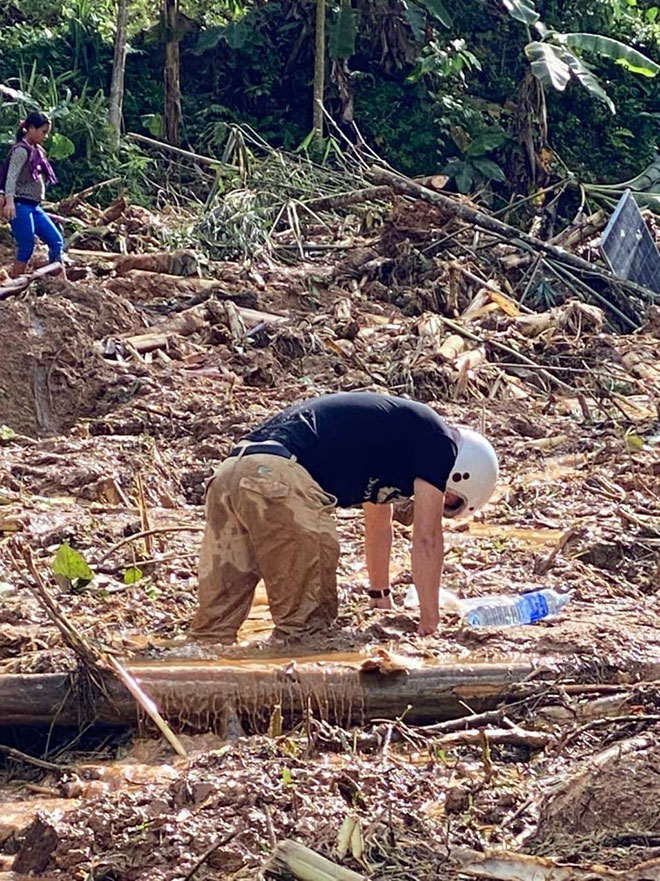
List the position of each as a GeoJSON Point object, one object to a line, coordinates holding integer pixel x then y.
{"type": "Point", "coordinates": [91, 416]}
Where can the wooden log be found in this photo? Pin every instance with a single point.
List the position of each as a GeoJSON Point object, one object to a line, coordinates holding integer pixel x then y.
{"type": "Point", "coordinates": [452, 347]}
{"type": "Point", "coordinates": [507, 866]}
{"type": "Point", "coordinates": [182, 263]}
{"type": "Point", "coordinates": [190, 321]}
{"type": "Point", "coordinates": [307, 865]}
{"type": "Point", "coordinates": [199, 696]}
{"type": "Point", "coordinates": [585, 229]}
{"type": "Point", "coordinates": [202, 697]}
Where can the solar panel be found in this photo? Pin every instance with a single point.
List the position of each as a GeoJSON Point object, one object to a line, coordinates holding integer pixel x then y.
{"type": "Point", "coordinates": [628, 246]}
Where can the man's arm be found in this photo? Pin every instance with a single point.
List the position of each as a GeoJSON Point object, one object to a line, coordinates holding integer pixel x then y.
{"type": "Point", "coordinates": [427, 552]}
{"type": "Point", "coordinates": [377, 547]}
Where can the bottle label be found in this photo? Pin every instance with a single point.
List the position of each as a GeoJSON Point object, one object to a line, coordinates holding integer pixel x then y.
{"type": "Point", "coordinates": [536, 606]}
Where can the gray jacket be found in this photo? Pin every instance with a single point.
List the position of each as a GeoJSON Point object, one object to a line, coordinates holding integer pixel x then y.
{"type": "Point", "coordinates": [20, 182]}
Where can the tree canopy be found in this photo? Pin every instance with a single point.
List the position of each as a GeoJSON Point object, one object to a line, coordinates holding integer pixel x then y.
{"type": "Point", "coordinates": [490, 93]}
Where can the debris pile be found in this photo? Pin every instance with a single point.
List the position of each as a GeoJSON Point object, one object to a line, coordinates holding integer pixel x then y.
{"type": "Point", "coordinates": [125, 387]}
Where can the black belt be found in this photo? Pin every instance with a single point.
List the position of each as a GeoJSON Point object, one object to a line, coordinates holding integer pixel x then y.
{"type": "Point", "coordinates": [269, 449]}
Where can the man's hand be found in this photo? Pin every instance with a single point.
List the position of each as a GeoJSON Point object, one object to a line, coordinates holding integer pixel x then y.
{"type": "Point", "coordinates": [427, 553]}
{"type": "Point", "coordinates": [377, 548]}
{"type": "Point", "coordinates": [9, 208]}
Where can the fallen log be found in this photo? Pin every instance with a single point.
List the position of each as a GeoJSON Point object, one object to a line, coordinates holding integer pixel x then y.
{"type": "Point", "coordinates": [192, 320]}
{"type": "Point", "coordinates": [206, 696]}
{"type": "Point", "coordinates": [199, 697]}
{"type": "Point", "coordinates": [506, 866]}
{"type": "Point", "coordinates": [182, 263]}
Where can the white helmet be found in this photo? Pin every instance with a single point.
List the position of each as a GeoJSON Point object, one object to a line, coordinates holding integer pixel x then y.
{"type": "Point", "coordinates": [474, 474]}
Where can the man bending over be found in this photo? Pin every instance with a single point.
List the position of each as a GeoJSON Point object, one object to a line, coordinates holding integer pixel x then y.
{"type": "Point", "coordinates": [269, 508]}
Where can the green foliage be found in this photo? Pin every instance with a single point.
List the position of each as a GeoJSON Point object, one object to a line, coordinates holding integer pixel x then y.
{"type": "Point", "coordinates": [70, 568]}
{"type": "Point", "coordinates": [341, 44]}
{"type": "Point", "coordinates": [438, 11]}
{"type": "Point", "coordinates": [626, 56]}
{"type": "Point", "coordinates": [548, 64]}
{"type": "Point", "coordinates": [430, 90]}
{"type": "Point", "coordinates": [554, 63]}
{"type": "Point", "coordinates": [132, 576]}
{"type": "Point", "coordinates": [521, 10]}
{"type": "Point", "coordinates": [474, 166]}
{"type": "Point", "coordinates": [61, 147]}
{"type": "Point", "coordinates": [7, 434]}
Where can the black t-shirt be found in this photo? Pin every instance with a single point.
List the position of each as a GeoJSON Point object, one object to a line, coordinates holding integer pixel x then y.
{"type": "Point", "coordinates": [365, 447]}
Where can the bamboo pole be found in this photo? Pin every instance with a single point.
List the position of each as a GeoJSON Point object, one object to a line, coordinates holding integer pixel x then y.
{"type": "Point", "coordinates": [307, 865]}
{"type": "Point", "coordinates": [319, 72]}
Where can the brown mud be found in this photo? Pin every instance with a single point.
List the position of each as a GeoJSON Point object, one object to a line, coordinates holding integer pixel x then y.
{"type": "Point", "coordinates": [578, 508]}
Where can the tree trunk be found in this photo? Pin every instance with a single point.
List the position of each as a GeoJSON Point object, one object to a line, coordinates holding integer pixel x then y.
{"type": "Point", "coordinates": [208, 696]}
{"type": "Point", "coordinates": [319, 72]}
{"type": "Point", "coordinates": [171, 74]}
{"type": "Point", "coordinates": [118, 71]}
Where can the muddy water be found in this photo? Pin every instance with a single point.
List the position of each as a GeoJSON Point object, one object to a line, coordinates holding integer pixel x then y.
{"type": "Point", "coordinates": [92, 779]}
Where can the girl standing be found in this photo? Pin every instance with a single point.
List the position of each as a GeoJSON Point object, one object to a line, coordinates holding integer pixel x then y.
{"type": "Point", "coordinates": [23, 178]}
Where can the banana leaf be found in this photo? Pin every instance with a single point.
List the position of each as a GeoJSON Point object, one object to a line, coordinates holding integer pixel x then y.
{"type": "Point", "coordinates": [624, 55]}
{"type": "Point", "coordinates": [343, 34]}
{"type": "Point", "coordinates": [586, 77]}
{"type": "Point", "coordinates": [521, 10]}
{"type": "Point", "coordinates": [547, 64]}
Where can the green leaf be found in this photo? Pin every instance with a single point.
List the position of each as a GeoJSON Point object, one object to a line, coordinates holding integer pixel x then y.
{"type": "Point", "coordinates": [341, 43]}
{"type": "Point", "coordinates": [464, 177]}
{"type": "Point", "coordinates": [486, 141]}
{"type": "Point", "coordinates": [489, 169]}
{"type": "Point", "coordinates": [61, 147]}
{"type": "Point", "coordinates": [521, 10]}
{"type": "Point", "coordinates": [237, 33]}
{"type": "Point", "coordinates": [71, 565]}
{"type": "Point", "coordinates": [153, 122]}
{"type": "Point", "coordinates": [624, 55]}
{"type": "Point", "coordinates": [438, 10]}
{"type": "Point", "coordinates": [416, 19]}
{"type": "Point", "coordinates": [132, 576]}
{"type": "Point", "coordinates": [547, 65]}
{"type": "Point", "coordinates": [634, 443]}
{"type": "Point", "coordinates": [287, 777]}
{"type": "Point", "coordinates": [587, 78]}
{"type": "Point", "coordinates": [207, 40]}
{"type": "Point", "coordinates": [652, 14]}
{"type": "Point", "coordinates": [6, 434]}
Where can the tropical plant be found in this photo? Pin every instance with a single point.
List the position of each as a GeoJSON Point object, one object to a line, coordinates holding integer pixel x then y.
{"type": "Point", "coordinates": [556, 59]}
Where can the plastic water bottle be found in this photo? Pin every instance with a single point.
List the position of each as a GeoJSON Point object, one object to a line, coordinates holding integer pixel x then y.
{"type": "Point", "coordinates": [446, 600]}
{"type": "Point", "coordinates": [507, 610]}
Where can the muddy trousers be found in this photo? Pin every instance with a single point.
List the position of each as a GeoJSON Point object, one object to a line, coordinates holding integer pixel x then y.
{"type": "Point", "coordinates": [266, 518]}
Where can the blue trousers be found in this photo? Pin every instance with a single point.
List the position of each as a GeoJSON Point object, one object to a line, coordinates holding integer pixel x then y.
{"type": "Point", "coordinates": [32, 220]}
